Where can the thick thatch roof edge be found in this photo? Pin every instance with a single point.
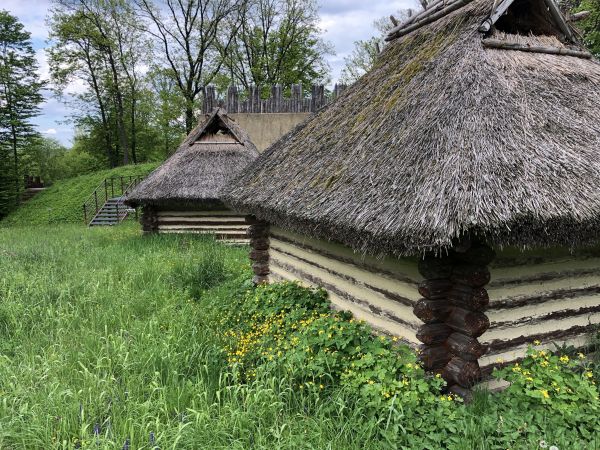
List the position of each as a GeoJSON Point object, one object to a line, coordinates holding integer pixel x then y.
{"type": "Point", "coordinates": [167, 185]}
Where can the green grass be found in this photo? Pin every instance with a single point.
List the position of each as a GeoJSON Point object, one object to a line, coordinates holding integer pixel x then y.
{"type": "Point", "coordinates": [98, 326]}
{"type": "Point", "coordinates": [110, 329]}
{"type": "Point", "coordinates": [62, 202]}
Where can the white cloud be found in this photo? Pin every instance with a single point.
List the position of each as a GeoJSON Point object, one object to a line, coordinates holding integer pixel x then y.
{"type": "Point", "coordinates": [347, 21]}
{"type": "Point", "coordinates": [32, 13]}
{"type": "Point", "coordinates": [50, 131]}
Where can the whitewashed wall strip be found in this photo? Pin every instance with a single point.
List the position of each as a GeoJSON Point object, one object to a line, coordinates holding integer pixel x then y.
{"type": "Point", "coordinates": [225, 225]}
{"type": "Point", "coordinates": [554, 300]}
{"type": "Point", "coordinates": [381, 292]}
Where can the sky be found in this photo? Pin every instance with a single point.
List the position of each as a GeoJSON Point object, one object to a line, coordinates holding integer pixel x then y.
{"type": "Point", "coordinates": [342, 21]}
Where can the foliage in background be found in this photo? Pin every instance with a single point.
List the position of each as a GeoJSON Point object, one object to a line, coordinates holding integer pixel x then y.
{"type": "Point", "coordinates": [192, 41]}
{"type": "Point", "coordinates": [104, 340]}
{"type": "Point", "coordinates": [20, 97]}
{"type": "Point", "coordinates": [62, 202]}
{"type": "Point", "coordinates": [591, 25]}
{"type": "Point", "coordinates": [144, 64]}
{"type": "Point", "coordinates": [100, 44]}
{"type": "Point", "coordinates": [366, 52]}
{"type": "Point", "coordinates": [47, 158]}
{"type": "Point", "coordinates": [278, 42]}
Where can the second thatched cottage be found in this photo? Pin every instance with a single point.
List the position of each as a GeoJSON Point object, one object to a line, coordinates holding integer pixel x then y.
{"type": "Point", "coordinates": [183, 194]}
{"type": "Point", "coordinates": [452, 195]}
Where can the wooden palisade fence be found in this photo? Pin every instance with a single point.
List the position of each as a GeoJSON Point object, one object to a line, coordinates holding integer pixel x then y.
{"type": "Point", "coordinates": [251, 101]}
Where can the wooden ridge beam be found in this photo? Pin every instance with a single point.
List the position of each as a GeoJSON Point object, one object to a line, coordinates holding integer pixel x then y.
{"type": "Point", "coordinates": [504, 45]}
{"type": "Point", "coordinates": [426, 19]}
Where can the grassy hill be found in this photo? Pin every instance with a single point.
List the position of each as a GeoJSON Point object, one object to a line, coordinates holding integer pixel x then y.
{"type": "Point", "coordinates": [61, 203]}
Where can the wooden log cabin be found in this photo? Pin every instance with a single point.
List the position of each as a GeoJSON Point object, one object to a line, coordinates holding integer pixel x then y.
{"type": "Point", "coordinates": [183, 194]}
{"type": "Point", "coordinates": [451, 196]}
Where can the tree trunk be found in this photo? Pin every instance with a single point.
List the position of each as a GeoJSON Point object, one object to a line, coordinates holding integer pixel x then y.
{"type": "Point", "coordinates": [189, 119]}
{"type": "Point", "coordinates": [120, 110]}
{"type": "Point", "coordinates": [13, 132]}
{"type": "Point", "coordinates": [105, 126]}
{"type": "Point", "coordinates": [133, 128]}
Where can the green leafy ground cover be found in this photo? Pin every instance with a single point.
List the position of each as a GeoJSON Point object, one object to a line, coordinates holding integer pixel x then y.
{"type": "Point", "coordinates": [62, 202]}
{"type": "Point", "coordinates": [108, 338]}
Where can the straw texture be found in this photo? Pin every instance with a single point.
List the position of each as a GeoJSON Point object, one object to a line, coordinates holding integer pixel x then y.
{"type": "Point", "coordinates": [210, 156]}
{"type": "Point", "coordinates": [442, 138]}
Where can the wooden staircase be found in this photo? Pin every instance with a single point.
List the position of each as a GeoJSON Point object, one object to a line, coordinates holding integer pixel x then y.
{"type": "Point", "coordinates": [105, 207]}
{"type": "Point", "coordinates": [113, 212]}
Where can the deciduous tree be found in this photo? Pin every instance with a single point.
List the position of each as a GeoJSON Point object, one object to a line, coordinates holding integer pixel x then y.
{"type": "Point", "coordinates": [20, 97]}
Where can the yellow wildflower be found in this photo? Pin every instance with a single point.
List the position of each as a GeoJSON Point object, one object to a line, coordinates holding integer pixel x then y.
{"type": "Point", "coordinates": [545, 393]}
{"type": "Point", "coordinates": [581, 355]}
{"type": "Point", "coordinates": [589, 374]}
{"type": "Point", "coordinates": [536, 342]}
{"type": "Point", "coordinates": [564, 359]}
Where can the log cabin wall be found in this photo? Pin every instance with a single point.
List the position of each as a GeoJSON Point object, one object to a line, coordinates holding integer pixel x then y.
{"type": "Point", "coordinates": [546, 295]}
{"type": "Point", "coordinates": [225, 225]}
{"type": "Point", "coordinates": [550, 296]}
{"type": "Point", "coordinates": [382, 292]}
{"type": "Point", "coordinates": [148, 220]}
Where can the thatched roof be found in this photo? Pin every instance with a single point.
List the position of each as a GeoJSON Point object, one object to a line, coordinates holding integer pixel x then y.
{"type": "Point", "coordinates": [444, 137]}
{"type": "Point", "coordinates": [213, 153]}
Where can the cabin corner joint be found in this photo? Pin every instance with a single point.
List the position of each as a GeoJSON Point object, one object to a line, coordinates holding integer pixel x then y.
{"type": "Point", "coordinates": [453, 313]}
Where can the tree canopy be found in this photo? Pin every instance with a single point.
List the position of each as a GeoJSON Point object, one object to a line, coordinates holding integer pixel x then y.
{"type": "Point", "coordinates": [20, 97]}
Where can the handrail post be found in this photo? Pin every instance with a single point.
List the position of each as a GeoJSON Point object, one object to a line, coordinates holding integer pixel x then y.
{"type": "Point", "coordinates": [105, 189]}
{"type": "Point", "coordinates": [121, 178]}
{"type": "Point", "coordinates": [112, 187]}
{"type": "Point", "coordinates": [96, 200]}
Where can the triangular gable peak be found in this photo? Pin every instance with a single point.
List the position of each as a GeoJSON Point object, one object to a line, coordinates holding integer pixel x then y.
{"type": "Point", "coordinates": [216, 129]}
{"type": "Point", "coordinates": [511, 25]}
{"type": "Point", "coordinates": [529, 17]}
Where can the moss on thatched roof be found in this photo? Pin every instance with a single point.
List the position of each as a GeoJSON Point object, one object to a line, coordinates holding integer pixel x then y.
{"type": "Point", "coordinates": [212, 154]}
{"type": "Point", "coordinates": [444, 137]}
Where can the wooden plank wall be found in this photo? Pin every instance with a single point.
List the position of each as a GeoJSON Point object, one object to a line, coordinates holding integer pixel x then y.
{"type": "Point", "coordinates": [225, 225]}
{"type": "Point", "coordinates": [380, 291]}
{"type": "Point", "coordinates": [555, 300]}
{"type": "Point", "coordinates": [237, 101]}
{"type": "Point", "coordinates": [545, 296]}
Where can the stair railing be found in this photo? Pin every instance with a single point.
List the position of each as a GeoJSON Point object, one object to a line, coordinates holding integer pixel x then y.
{"type": "Point", "coordinates": [109, 188]}
{"type": "Point", "coordinates": [127, 190]}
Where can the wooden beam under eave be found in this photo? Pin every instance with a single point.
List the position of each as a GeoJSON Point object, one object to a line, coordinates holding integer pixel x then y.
{"type": "Point", "coordinates": [504, 45]}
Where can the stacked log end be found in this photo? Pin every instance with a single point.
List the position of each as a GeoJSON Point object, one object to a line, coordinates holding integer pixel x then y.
{"type": "Point", "coordinates": [453, 311]}
{"type": "Point", "coordinates": [149, 220]}
{"type": "Point", "coordinates": [258, 232]}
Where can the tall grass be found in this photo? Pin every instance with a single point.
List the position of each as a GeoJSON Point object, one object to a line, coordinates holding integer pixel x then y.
{"type": "Point", "coordinates": [103, 342]}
